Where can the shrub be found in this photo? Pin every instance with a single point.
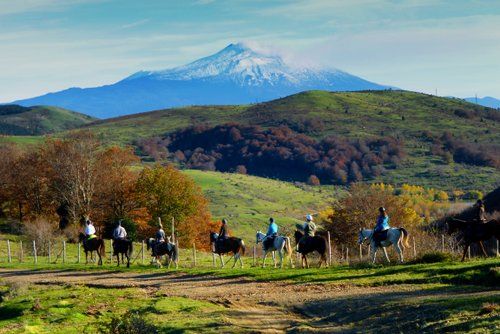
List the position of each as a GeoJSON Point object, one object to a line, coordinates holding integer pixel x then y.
{"type": "Point", "coordinates": [128, 323]}
{"type": "Point", "coordinates": [434, 257]}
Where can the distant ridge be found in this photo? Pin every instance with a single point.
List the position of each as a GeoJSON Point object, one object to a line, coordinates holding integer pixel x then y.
{"type": "Point", "coordinates": [486, 101]}
{"type": "Point", "coordinates": [235, 75]}
{"type": "Point", "coordinates": [38, 120]}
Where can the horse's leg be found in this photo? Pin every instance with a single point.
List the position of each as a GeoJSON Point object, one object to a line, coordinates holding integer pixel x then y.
{"type": "Point", "coordinates": [400, 252]}
{"type": "Point", "coordinates": [280, 252]}
{"type": "Point", "coordinates": [274, 258]}
{"type": "Point", "coordinates": [467, 245]}
{"type": "Point", "coordinates": [386, 256]}
{"type": "Point", "coordinates": [264, 259]}
{"type": "Point", "coordinates": [482, 248]}
{"type": "Point", "coordinates": [117, 259]}
{"type": "Point", "coordinates": [305, 259]}
{"type": "Point", "coordinates": [236, 256]}
{"type": "Point", "coordinates": [241, 261]}
{"type": "Point", "coordinates": [221, 261]}
{"type": "Point", "coordinates": [374, 253]}
{"type": "Point", "coordinates": [86, 257]}
{"type": "Point", "coordinates": [128, 260]}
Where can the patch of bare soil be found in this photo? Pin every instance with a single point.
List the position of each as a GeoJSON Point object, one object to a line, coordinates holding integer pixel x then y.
{"type": "Point", "coordinates": [267, 307]}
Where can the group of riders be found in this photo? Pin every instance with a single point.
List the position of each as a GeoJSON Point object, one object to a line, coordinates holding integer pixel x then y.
{"type": "Point", "coordinates": [308, 228]}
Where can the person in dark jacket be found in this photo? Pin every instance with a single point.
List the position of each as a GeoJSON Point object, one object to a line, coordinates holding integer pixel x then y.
{"type": "Point", "coordinates": [223, 233]}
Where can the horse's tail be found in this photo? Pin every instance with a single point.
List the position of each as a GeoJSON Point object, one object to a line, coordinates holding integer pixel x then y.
{"type": "Point", "coordinates": [130, 248]}
{"type": "Point", "coordinates": [242, 247]}
{"type": "Point", "coordinates": [405, 237]}
{"type": "Point", "coordinates": [102, 248]}
{"type": "Point", "coordinates": [288, 246]}
{"type": "Point", "coordinates": [175, 253]}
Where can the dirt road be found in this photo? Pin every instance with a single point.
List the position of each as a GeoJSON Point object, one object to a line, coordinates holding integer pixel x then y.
{"type": "Point", "coordinates": [266, 306]}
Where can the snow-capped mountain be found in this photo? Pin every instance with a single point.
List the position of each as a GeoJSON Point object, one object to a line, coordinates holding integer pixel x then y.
{"type": "Point", "coordinates": [237, 74]}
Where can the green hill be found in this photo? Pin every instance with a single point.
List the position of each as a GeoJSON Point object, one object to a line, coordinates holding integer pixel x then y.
{"type": "Point", "coordinates": [248, 201]}
{"type": "Point", "coordinates": [406, 115]}
{"type": "Point", "coordinates": [38, 120]}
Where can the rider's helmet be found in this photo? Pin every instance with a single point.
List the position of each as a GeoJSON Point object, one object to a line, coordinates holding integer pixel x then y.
{"type": "Point", "coordinates": [309, 218]}
{"type": "Point", "coordinates": [224, 221]}
{"type": "Point", "coordinates": [119, 223]}
{"type": "Point", "coordinates": [479, 202]}
{"type": "Point", "coordinates": [381, 210]}
{"type": "Point", "coordinates": [271, 220]}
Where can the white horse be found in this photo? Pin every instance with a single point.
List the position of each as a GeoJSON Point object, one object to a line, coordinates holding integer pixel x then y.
{"type": "Point", "coordinates": [395, 236]}
{"type": "Point", "coordinates": [281, 244]}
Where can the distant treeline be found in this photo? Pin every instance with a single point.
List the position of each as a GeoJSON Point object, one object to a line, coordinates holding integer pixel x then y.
{"type": "Point", "coordinates": [454, 149]}
{"type": "Point", "coordinates": [277, 152]}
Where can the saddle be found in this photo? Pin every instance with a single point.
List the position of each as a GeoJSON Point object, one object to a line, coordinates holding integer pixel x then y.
{"type": "Point", "coordinates": [378, 237]}
{"type": "Point", "coordinates": [269, 241]}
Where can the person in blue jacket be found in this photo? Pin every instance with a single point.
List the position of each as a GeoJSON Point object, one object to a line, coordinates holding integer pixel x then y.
{"type": "Point", "coordinates": [272, 232]}
{"type": "Point", "coordinates": [382, 226]}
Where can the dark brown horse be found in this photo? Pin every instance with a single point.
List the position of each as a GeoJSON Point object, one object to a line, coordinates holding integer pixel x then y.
{"type": "Point", "coordinates": [228, 245]}
{"type": "Point", "coordinates": [158, 249]}
{"type": "Point", "coordinates": [123, 247]}
{"type": "Point", "coordinates": [309, 245]}
{"type": "Point", "coordinates": [475, 232]}
{"type": "Point", "coordinates": [92, 245]}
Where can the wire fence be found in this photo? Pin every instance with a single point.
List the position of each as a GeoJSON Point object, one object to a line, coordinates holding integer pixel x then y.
{"type": "Point", "coordinates": [60, 252]}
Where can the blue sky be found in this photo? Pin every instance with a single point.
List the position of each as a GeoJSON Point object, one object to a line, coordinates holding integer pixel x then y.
{"type": "Point", "coordinates": [451, 46]}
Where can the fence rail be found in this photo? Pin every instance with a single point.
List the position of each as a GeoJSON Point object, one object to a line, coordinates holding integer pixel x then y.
{"type": "Point", "coordinates": [61, 252]}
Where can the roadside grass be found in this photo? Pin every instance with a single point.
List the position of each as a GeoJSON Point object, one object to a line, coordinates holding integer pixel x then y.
{"type": "Point", "coordinates": [80, 309]}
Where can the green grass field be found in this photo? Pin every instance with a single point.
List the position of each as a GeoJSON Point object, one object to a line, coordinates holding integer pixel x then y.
{"type": "Point", "coordinates": [248, 201]}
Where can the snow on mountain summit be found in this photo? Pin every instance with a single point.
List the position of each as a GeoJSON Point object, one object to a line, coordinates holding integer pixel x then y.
{"type": "Point", "coordinates": [241, 64]}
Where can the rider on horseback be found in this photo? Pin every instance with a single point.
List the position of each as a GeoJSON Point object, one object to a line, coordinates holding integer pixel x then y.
{"type": "Point", "coordinates": [89, 230]}
{"type": "Point", "coordinates": [119, 233]}
{"type": "Point", "coordinates": [480, 212]}
{"type": "Point", "coordinates": [272, 232]}
{"type": "Point", "coordinates": [223, 233]}
{"type": "Point", "coordinates": [382, 226]}
{"type": "Point", "coordinates": [160, 234]}
{"type": "Point", "coordinates": [309, 229]}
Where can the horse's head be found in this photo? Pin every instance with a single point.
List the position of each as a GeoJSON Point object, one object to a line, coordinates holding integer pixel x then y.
{"type": "Point", "coordinates": [81, 237]}
{"type": "Point", "coordinates": [149, 243]}
{"type": "Point", "coordinates": [213, 237]}
{"type": "Point", "coordinates": [363, 234]}
{"type": "Point", "coordinates": [453, 225]}
{"type": "Point", "coordinates": [298, 235]}
{"type": "Point", "coordinates": [259, 236]}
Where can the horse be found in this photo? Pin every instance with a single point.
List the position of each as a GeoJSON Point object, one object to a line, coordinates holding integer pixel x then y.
{"type": "Point", "coordinates": [91, 245]}
{"type": "Point", "coordinates": [397, 236]}
{"type": "Point", "coordinates": [158, 249]}
{"type": "Point", "coordinates": [228, 245]}
{"type": "Point", "coordinates": [123, 247]}
{"type": "Point", "coordinates": [281, 244]}
{"type": "Point", "coordinates": [309, 245]}
{"type": "Point", "coordinates": [475, 232]}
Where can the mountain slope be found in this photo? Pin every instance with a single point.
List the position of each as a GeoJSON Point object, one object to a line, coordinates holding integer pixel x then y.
{"type": "Point", "coordinates": [38, 120]}
{"type": "Point", "coordinates": [406, 115]}
{"type": "Point", "coordinates": [486, 101]}
{"type": "Point", "coordinates": [234, 75]}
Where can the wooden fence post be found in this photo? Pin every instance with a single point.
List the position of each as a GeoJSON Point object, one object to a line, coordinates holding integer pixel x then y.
{"type": "Point", "coordinates": [347, 254]}
{"type": "Point", "coordinates": [78, 252]}
{"type": "Point", "coordinates": [468, 252]}
{"type": "Point", "coordinates": [21, 251]}
{"type": "Point", "coordinates": [9, 258]}
{"type": "Point", "coordinates": [34, 253]}
{"type": "Point", "coordinates": [254, 255]}
{"type": "Point", "coordinates": [342, 253]}
{"type": "Point", "coordinates": [64, 252]}
{"type": "Point", "coordinates": [110, 250]}
{"type": "Point", "coordinates": [48, 252]}
{"type": "Point", "coordinates": [360, 252]}
{"type": "Point", "coordinates": [369, 249]}
{"type": "Point", "coordinates": [194, 254]}
{"type": "Point", "coordinates": [329, 248]}
{"type": "Point", "coordinates": [442, 243]}
{"type": "Point", "coordinates": [498, 248]}
{"type": "Point", "coordinates": [142, 252]}
{"type": "Point", "coordinates": [414, 249]}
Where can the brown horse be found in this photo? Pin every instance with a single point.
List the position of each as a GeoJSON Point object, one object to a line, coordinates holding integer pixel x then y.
{"type": "Point", "coordinates": [475, 232]}
{"type": "Point", "coordinates": [89, 246]}
{"type": "Point", "coordinates": [228, 245]}
{"type": "Point", "coordinates": [309, 245]}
